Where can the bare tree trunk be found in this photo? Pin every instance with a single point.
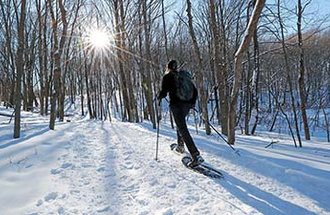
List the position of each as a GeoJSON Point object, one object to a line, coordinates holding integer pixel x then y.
{"type": "Point", "coordinates": [57, 74]}
{"type": "Point", "coordinates": [286, 118]}
{"type": "Point", "coordinates": [142, 69]}
{"type": "Point", "coordinates": [30, 60]}
{"type": "Point", "coordinates": [40, 51]}
{"type": "Point", "coordinates": [301, 79]}
{"type": "Point", "coordinates": [248, 85]}
{"type": "Point", "coordinates": [255, 83]}
{"type": "Point", "coordinates": [61, 87]}
{"type": "Point", "coordinates": [219, 69]}
{"type": "Point", "coordinates": [326, 124]}
{"type": "Point", "coordinates": [20, 70]}
{"type": "Point", "coordinates": [66, 56]}
{"type": "Point", "coordinates": [166, 49]}
{"type": "Point", "coordinates": [44, 75]}
{"type": "Point", "coordinates": [119, 26]}
{"type": "Point", "coordinates": [222, 78]}
{"type": "Point", "coordinates": [200, 78]}
{"type": "Point", "coordinates": [58, 50]}
{"type": "Point", "coordinates": [132, 103]}
{"type": "Point", "coordinates": [24, 90]}
{"type": "Point", "coordinates": [165, 32]}
{"type": "Point", "coordinates": [287, 67]}
{"type": "Point", "coordinates": [147, 72]}
{"type": "Point", "coordinates": [238, 68]}
{"type": "Point", "coordinates": [87, 68]}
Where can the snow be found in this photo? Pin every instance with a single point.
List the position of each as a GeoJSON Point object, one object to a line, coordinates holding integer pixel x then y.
{"type": "Point", "coordinates": [93, 167]}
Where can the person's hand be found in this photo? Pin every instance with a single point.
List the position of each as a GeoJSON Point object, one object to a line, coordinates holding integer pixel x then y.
{"type": "Point", "coordinates": [159, 117]}
{"type": "Point", "coordinates": [192, 105]}
{"type": "Point", "coordinates": [160, 96]}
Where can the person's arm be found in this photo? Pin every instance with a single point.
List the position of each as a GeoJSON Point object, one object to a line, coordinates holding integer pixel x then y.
{"type": "Point", "coordinates": [164, 90]}
{"type": "Point", "coordinates": [195, 95]}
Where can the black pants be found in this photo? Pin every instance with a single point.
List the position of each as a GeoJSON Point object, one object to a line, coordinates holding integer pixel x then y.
{"type": "Point", "coordinates": [180, 111]}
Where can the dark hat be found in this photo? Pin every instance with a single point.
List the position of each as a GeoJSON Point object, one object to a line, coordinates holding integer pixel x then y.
{"type": "Point", "coordinates": [172, 64]}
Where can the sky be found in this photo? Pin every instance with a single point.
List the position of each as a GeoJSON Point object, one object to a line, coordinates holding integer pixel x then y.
{"type": "Point", "coordinates": [314, 14]}
{"type": "Point", "coordinates": [322, 6]}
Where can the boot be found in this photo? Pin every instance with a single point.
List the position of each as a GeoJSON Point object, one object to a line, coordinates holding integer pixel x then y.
{"type": "Point", "coordinates": [180, 149]}
{"type": "Point", "coordinates": [196, 161]}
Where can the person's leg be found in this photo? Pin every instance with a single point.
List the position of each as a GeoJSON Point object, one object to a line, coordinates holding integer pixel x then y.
{"type": "Point", "coordinates": [180, 147]}
{"type": "Point", "coordinates": [180, 140]}
{"type": "Point", "coordinates": [179, 114]}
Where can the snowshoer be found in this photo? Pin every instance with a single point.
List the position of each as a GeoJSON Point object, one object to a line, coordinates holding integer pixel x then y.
{"type": "Point", "coordinates": [183, 95]}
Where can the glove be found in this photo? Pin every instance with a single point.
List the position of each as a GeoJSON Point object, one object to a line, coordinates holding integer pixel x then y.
{"type": "Point", "coordinates": [192, 105]}
{"type": "Point", "coordinates": [159, 117]}
{"type": "Point", "coordinates": [159, 99]}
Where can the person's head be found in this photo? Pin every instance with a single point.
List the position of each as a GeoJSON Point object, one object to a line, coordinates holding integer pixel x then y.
{"type": "Point", "coordinates": [172, 65]}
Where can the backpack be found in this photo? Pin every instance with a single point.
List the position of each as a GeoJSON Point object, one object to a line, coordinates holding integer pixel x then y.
{"type": "Point", "coordinates": [184, 86]}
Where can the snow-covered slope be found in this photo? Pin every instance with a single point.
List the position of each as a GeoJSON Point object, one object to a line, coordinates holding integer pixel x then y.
{"type": "Point", "coordinates": [93, 167]}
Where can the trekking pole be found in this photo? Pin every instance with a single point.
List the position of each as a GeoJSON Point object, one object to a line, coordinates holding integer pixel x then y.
{"type": "Point", "coordinates": [224, 139]}
{"type": "Point", "coordinates": [158, 112]}
{"type": "Point", "coordinates": [156, 158]}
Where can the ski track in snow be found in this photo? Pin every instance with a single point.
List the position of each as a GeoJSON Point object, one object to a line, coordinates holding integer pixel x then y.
{"type": "Point", "coordinates": [109, 168]}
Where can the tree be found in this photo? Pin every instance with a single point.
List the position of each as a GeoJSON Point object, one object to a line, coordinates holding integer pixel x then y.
{"type": "Point", "coordinates": [301, 79]}
{"type": "Point", "coordinates": [219, 52]}
{"type": "Point", "coordinates": [288, 75]}
{"type": "Point", "coordinates": [147, 74]}
{"type": "Point", "coordinates": [238, 68]}
{"type": "Point", "coordinates": [200, 78]}
{"type": "Point", "coordinates": [57, 54]}
{"type": "Point", "coordinates": [19, 70]}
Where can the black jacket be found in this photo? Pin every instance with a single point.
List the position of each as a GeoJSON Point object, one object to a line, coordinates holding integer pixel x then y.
{"type": "Point", "coordinates": [168, 86]}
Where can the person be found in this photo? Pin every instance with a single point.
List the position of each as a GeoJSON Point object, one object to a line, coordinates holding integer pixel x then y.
{"type": "Point", "coordinates": [180, 110]}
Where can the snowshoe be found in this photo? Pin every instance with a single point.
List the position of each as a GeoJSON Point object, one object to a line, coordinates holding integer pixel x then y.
{"type": "Point", "coordinates": [196, 161]}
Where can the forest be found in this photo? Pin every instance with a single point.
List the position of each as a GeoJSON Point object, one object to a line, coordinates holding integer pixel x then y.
{"type": "Point", "coordinates": [255, 63]}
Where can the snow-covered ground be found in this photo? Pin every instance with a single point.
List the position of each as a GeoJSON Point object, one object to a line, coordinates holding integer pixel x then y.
{"type": "Point", "coordinates": [92, 167]}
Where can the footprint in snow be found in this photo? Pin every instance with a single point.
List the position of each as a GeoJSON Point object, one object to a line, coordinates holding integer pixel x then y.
{"type": "Point", "coordinates": [101, 169]}
{"type": "Point", "coordinates": [28, 166]}
{"type": "Point", "coordinates": [171, 184]}
{"type": "Point", "coordinates": [51, 196]}
{"type": "Point", "coordinates": [110, 174]}
{"type": "Point", "coordinates": [104, 209]}
{"type": "Point", "coordinates": [67, 165]}
{"type": "Point", "coordinates": [129, 165]}
{"type": "Point", "coordinates": [39, 203]}
{"type": "Point", "coordinates": [64, 156]}
{"type": "Point", "coordinates": [72, 192]}
{"type": "Point", "coordinates": [153, 181]}
{"type": "Point", "coordinates": [127, 153]}
{"type": "Point", "coordinates": [86, 165]}
{"type": "Point", "coordinates": [61, 210]}
{"type": "Point", "coordinates": [167, 212]}
{"type": "Point", "coordinates": [55, 171]}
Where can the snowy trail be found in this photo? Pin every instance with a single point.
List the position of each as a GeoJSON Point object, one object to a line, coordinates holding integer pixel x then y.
{"type": "Point", "coordinates": [161, 188]}
{"type": "Point", "coordinates": [90, 167]}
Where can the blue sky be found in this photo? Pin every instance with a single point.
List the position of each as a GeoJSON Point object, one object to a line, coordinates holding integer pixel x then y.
{"type": "Point", "coordinates": [322, 6]}
{"type": "Point", "coordinates": [315, 12]}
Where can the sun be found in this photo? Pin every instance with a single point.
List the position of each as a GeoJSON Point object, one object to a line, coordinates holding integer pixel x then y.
{"type": "Point", "coordinates": [99, 39]}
